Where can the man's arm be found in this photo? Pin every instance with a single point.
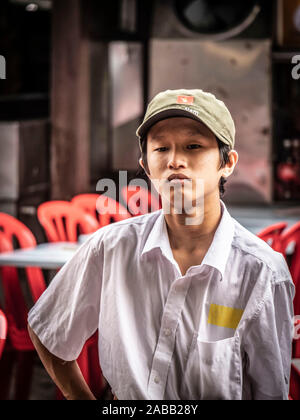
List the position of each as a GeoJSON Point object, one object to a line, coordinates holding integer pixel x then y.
{"type": "Point", "coordinates": [66, 374]}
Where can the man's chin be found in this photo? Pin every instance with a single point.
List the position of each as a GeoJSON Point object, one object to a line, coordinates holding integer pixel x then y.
{"type": "Point", "coordinates": [186, 205]}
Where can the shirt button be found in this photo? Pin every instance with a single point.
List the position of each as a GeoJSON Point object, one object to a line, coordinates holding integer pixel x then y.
{"type": "Point", "coordinates": [156, 379]}
{"type": "Point", "coordinates": [167, 332]}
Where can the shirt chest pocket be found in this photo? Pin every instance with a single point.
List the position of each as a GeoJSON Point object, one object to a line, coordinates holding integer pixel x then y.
{"type": "Point", "coordinates": [213, 370]}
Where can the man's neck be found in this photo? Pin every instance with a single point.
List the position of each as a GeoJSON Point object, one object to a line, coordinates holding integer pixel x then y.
{"type": "Point", "coordinates": [191, 238]}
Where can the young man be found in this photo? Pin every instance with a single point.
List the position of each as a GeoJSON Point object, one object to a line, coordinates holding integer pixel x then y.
{"type": "Point", "coordinates": [188, 304]}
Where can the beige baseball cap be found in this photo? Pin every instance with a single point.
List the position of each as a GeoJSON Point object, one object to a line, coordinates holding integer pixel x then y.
{"type": "Point", "coordinates": [192, 103]}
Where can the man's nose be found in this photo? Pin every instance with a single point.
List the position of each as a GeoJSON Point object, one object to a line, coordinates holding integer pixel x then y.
{"type": "Point", "coordinates": [176, 160]}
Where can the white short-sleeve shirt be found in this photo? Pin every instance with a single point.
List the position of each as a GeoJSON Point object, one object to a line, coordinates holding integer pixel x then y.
{"type": "Point", "coordinates": [221, 331]}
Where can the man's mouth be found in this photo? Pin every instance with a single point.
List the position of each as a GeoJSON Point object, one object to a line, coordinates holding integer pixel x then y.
{"type": "Point", "coordinates": [178, 178]}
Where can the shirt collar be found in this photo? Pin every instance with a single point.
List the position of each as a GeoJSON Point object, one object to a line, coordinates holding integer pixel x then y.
{"type": "Point", "coordinates": [218, 252]}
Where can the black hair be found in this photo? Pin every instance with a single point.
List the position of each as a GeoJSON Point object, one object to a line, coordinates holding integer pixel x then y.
{"type": "Point", "coordinates": [224, 150]}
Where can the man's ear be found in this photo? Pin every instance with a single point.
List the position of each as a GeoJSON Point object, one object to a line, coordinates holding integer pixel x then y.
{"type": "Point", "coordinates": [141, 163]}
{"type": "Point", "coordinates": [143, 166]}
{"type": "Point", "coordinates": [229, 168]}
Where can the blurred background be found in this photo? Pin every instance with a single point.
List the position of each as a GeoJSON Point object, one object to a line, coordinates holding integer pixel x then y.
{"type": "Point", "coordinates": [79, 74]}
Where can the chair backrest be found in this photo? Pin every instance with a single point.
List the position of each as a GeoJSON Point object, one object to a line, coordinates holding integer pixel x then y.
{"type": "Point", "coordinates": [296, 341]}
{"type": "Point", "coordinates": [272, 235]}
{"type": "Point", "coordinates": [15, 304]}
{"type": "Point", "coordinates": [103, 208]}
{"type": "Point", "coordinates": [289, 237]}
{"type": "Point", "coordinates": [62, 219]}
{"type": "Point", "coordinates": [139, 200]}
{"type": "Point", "coordinates": [15, 231]}
{"type": "Point", "coordinates": [3, 331]}
{"type": "Point", "coordinates": [14, 301]}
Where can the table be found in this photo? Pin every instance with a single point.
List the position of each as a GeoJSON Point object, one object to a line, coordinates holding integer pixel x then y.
{"type": "Point", "coordinates": [47, 256]}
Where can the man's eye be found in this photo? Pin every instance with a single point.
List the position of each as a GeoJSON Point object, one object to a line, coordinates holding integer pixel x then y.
{"type": "Point", "coordinates": [161, 149]}
{"type": "Point", "coordinates": [193, 146]}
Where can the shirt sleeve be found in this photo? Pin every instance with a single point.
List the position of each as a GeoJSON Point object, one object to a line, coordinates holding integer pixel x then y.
{"type": "Point", "coordinates": [67, 313]}
{"type": "Point", "coordinates": [268, 344]}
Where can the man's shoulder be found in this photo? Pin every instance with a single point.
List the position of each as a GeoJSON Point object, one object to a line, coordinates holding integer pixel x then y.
{"type": "Point", "coordinates": [133, 227]}
{"type": "Point", "coordinates": [258, 252]}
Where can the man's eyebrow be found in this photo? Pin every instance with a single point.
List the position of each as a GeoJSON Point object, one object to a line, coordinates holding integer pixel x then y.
{"type": "Point", "coordinates": [157, 137]}
{"type": "Point", "coordinates": [194, 131]}
{"type": "Point", "coordinates": [189, 132]}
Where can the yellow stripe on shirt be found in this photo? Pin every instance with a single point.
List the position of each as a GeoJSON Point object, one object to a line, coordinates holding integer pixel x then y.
{"type": "Point", "coordinates": [224, 316]}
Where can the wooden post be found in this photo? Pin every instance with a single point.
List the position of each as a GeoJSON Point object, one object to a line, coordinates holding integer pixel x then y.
{"type": "Point", "coordinates": [70, 97]}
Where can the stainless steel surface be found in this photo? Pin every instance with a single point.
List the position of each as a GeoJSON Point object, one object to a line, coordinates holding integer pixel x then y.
{"type": "Point", "coordinates": [166, 23]}
{"type": "Point", "coordinates": [9, 160]}
{"type": "Point", "coordinates": [24, 170]}
{"type": "Point", "coordinates": [257, 218]}
{"type": "Point", "coordinates": [24, 158]}
{"type": "Point", "coordinates": [125, 64]}
{"type": "Point", "coordinates": [237, 72]}
{"type": "Point", "coordinates": [2, 67]}
{"type": "Point", "coordinates": [99, 150]}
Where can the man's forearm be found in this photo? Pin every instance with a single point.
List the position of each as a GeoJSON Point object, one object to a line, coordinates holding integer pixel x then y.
{"type": "Point", "coordinates": [66, 375]}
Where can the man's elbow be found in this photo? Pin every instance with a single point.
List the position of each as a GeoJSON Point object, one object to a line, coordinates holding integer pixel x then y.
{"type": "Point", "coordinates": [49, 360]}
{"type": "Point", "coordinates": [32, 335]}
{"type": "Point", "coordinates": [30, 332]}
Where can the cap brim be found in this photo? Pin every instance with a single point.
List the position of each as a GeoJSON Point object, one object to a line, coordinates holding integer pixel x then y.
{"type": "Point", "coordinates": [168, 113]}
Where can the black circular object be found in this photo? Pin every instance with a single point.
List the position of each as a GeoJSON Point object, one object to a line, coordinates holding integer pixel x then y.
{"type": "Point", "coordinates": [210, 17]}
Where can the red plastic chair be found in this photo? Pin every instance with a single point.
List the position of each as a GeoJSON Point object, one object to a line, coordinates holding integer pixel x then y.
{"type": "Point", "coordinates": [294, 393]}
{"type": "Point", "coordinates": [61, 221]}
{"type": "Point", "coordinates": [14, 229]}
{"type": "Point", "coordinates": [3, 331]}
{"type": "Point", "coordinates": [21, 351]}
{"type": "Point", "coordinates": [101, 207]}
{"type": "Point", "coordinates": [272, 235]}
{"type": "Point", "coordinates": [292, 235]}
{"type": "Point", "coordinates": [139, 200]}
{"type": "Point", "coordinates": [289, 237]}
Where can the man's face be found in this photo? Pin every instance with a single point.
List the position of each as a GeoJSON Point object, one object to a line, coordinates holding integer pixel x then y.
{"type": "Point", "coordinates": [187, 147]}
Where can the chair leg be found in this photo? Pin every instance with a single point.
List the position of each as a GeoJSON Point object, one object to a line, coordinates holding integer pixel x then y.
{"type": "Point", "coordinates": [294, 391]}
{"type": "Point", "coordinates": [7, 363]}
{"type": "Point", "coordinates": [296, 349]}
{"type": "Point", "coordinates": [24, 375]}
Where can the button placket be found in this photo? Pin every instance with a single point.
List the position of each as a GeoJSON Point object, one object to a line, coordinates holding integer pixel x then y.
{"type": "Point", "coordinates": [166, 341]}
